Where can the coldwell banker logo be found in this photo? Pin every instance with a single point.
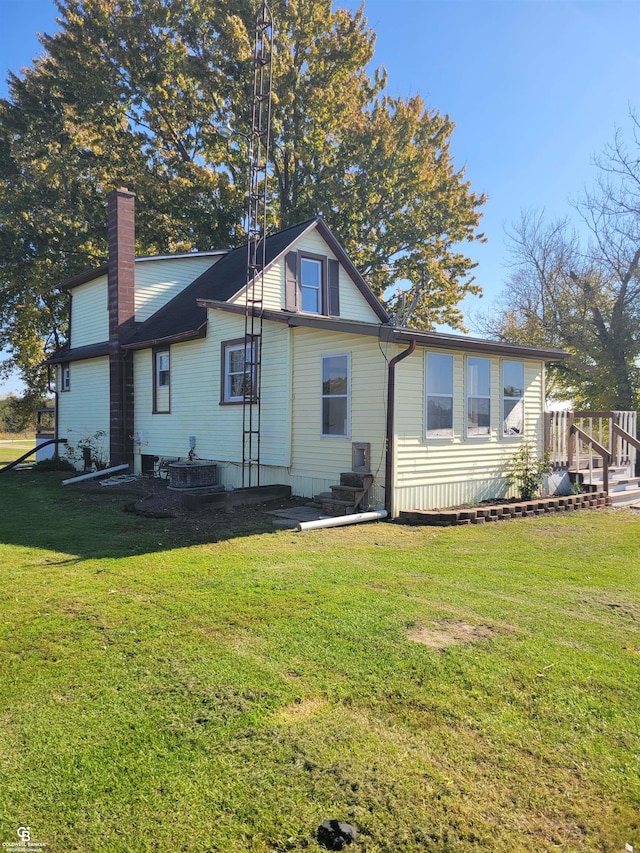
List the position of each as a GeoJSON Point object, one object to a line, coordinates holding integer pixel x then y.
{"type": "Point", "coordinates": [25, 843]}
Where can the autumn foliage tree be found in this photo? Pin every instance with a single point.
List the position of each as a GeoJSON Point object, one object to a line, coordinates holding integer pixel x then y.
{"type": "Point", "coordinates": [130, 93]}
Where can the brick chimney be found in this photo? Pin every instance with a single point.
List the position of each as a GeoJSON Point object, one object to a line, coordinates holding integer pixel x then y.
{"type": "Point", "coordinates": [121, 304]}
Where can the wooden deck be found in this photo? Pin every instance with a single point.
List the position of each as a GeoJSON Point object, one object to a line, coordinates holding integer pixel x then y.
{"type": "Point", "coordinates": [598, 449]}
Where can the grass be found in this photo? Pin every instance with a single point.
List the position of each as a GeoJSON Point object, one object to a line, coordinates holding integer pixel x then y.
{"type": "Point", "coordinates": [160, 692]}
{"type": "Point", "coordinates": [12, 446]}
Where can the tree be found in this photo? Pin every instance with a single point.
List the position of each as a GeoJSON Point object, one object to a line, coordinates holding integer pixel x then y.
{"type": "Point", "coordinates": [129, 92]}
{"type": "Point", "coordinates": [583, 296]}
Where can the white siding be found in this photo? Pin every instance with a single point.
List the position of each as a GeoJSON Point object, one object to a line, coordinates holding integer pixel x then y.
{"type": "Point", "coordinates": [159, 280]}
{"type": "Point", "coordinates": [84, 409]}
{"type": "Point", "coordinates": [446, 472]}
{"type": "Point", "coordinates": [353, 305]}
{"type": "Point", "coordinates": [89, 313]}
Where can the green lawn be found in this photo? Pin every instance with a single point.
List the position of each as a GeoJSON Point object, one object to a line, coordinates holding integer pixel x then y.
{"type": "Point", "coordinates": [160, 692]}
{"type": "Point", "coordinates": [12, 448]}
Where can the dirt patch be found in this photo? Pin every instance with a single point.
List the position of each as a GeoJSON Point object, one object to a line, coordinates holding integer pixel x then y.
{"type": "Point", "coordinates": [449, 633]}
{"type": "Point", "coordinates": [301, 710]}
{"type": "Point", "coordinates": [151, 498]}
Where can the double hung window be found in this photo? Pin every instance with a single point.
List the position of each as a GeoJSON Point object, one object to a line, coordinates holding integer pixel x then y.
{"type": "Point", "coordinates": [161, 381]}
{"type": "Point", "coordinates": [238, 371]}
{"type": "Point", "coordinates": [65, 377]}
{"type": "Point", "coordinates": [311, 285]}
{"type": "Point", "coordinates": [335, 395]}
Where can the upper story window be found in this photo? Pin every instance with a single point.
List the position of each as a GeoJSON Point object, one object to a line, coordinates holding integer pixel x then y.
{"type": "Point", "coordinates": [238, 371]}
{"type": "Point", "coordinates": [161, 381]}
{"type": "Point", "coordinates": [312, 284]}
{"type": "Point", "coordinates": [335, 395]}
{"type": "Point", "coordinates": [439, 395]}
{"type": "Point", "coordinates": [478, 397]}
{"type": "Point", "coordinates": [512, 398]}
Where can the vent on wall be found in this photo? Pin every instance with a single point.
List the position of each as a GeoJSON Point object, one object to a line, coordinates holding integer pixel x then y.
{"type": "Point", "coordinates": [361, 457]}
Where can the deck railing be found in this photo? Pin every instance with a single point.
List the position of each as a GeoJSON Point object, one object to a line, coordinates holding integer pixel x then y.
{"type": "Point", "coordinates": [587, 441]}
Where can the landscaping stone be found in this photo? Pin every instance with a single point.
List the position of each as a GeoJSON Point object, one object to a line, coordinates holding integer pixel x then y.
{"type": "Point", "coordinates": [506, 511]}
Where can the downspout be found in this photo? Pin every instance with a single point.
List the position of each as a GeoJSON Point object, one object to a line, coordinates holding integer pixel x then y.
{"type": "Point", "coordinates": [53, 391]}
{"type": "Point", "coordinates": [389, 469]}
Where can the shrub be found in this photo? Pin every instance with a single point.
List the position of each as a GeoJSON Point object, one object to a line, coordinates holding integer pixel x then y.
{"type": "Point", "coordinates": [55, 463]}
{"type": "Point", "coordinates": [526, 471]}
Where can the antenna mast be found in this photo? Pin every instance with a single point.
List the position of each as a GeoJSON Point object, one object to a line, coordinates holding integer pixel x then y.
{"type": "Point", "coordinates": [259, 140]}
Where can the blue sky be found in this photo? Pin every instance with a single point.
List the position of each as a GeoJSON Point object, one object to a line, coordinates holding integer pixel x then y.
{"type": "Point", "coordinates": [536, 88]}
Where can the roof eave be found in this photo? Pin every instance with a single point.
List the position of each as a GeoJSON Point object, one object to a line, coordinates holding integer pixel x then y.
{"type": "Point", "coordinates": [442, 340]}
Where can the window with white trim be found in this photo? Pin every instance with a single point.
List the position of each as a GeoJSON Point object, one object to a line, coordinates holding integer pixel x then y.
{"type": "Point", "coordinates": [335, 395]}
{"type": "Point", "coordinates": [161, 381]}
{"type": "Point", "coordinates": [478, 397]}
{"type": "Point", "coordinates": [512, 398]}
{"type": "Point", "coordinates": [439, 395]}
{"type": "Point", "coordinates": [65, 377]}
{"type": "Point", "coordinates": [311, 285]}
{"type": "Point", "coordinates": [238, 372]}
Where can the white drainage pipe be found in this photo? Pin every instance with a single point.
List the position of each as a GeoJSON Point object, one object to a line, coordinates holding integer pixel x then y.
{"type": "Point", "coordinates": [92, 474]}
{"type": "Point", "coordinates": [341, 520]}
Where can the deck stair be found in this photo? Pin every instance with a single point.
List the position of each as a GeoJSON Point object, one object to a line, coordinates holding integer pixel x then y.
{"type": "Point", "coordinates": [624, 488]}
{"type": "Point", "coordinates": [347, 497]}
{"type": "Point", "coordinates": [598, 449]}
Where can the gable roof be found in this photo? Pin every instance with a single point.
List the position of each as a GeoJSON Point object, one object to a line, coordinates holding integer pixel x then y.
{"type": "Point", "coordinates": [184, 317]}
{"type": "Point", "coordinates": [96, 272]}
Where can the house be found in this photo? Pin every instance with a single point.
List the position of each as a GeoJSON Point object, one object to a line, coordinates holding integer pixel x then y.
{"type": "Point", "coordinates": [159, 362]}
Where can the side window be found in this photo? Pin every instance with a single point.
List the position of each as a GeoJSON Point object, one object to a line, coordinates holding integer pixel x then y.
{"type": "Point", "coordinates": [238, 371]}
{"type": "Point", "coordinates": [65, 377]}
{"type": "Point", "coordinates": [478, 397]}
{"type": "Point", "coordinates": [161, 381]}
{"type": "Point", "coordinates": [512, 398]}
{"type": "Point", "coordinates": [335, 395]}
{"type": "Point", "coordinates": [439, 396]}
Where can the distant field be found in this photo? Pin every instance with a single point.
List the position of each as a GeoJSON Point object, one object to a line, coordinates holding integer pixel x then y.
{"type": "Point", "coordinates": [11, 448]}
{"type": "Point", "coordinates": [448, 690]}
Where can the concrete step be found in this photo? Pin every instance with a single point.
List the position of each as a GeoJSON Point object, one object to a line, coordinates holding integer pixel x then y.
{"type": "Point", "coordinates": [360, 481]}
{"type": "Point", "coordinates": [335, 507]}
{"type": "Point", "coordinates": [348, 493]}
{"type": "Point", "coordinates": [628, 496]}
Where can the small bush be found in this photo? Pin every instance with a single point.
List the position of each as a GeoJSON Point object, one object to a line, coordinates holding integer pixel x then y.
{"type": "Point", "coordinates": [526, 471]}
{"type": "Point", "coordinates": [55, 463]}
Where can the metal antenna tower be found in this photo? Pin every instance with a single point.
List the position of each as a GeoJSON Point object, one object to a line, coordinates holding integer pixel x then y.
{"type": "Point", "coordinates": [259, 140]}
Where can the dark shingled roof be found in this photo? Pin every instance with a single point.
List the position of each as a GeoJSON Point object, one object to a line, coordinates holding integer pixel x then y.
{"type": "Point", "coordinates": [182, 318]}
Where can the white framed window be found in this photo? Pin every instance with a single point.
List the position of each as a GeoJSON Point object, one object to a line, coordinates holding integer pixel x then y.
{"type": "Point", "coordinates": [512, 398]}
{"type": "Point", "coordinates": [311, 285]}
{"type": "Point", "coordinates": [238, 371]}
{"type": "Point", "coordinates": [336, 390]}
{"type": "Point", "coordinates": [439, 395]}
{"type": "Point", "coordinates": [161, 381]}
{"type": "Point", "coordinates": [478, 397]}
{"type": "Point", "coordinates": [65, 377]}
